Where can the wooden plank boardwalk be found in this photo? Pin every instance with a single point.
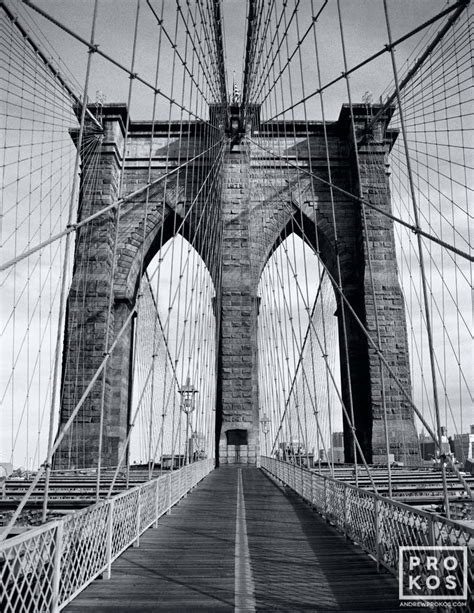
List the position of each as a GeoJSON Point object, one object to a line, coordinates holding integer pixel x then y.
{"type": "Point", "coordinates": [239, 542]}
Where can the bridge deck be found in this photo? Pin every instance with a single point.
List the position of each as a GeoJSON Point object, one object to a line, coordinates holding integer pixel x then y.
{"type": "Point", "coordinates": [239, 542]}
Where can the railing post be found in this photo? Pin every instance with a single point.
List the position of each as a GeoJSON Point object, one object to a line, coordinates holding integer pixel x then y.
{"type": "Point", "coordinates": [136, 542]}
{"type": "Point", "coordinates": [431, 531]}
{"type": "Point", "coordinates": [157, 502]}
{"type": "Point", "coordinates": [58, 548]}
{"type": "Point", "coordinates": [377, 531]}
{"type": "Point", "coordinates": [325, 507]}
{"type": "Point", "coordinates": [110, 529]}
{"type": "Point", "coordinates": [344, 490]}
{"type": "Point", "coordinates": [168, 511]}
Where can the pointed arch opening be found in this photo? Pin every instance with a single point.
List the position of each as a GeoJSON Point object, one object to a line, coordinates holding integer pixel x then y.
{"type": "Point", "coordinates": [298, 348]}
{"type": "Point", "coordinates": [174, 380]}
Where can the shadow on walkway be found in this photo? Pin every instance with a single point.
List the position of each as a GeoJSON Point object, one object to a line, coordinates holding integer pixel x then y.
{"type": "Point", "coordinates": [187, 564]}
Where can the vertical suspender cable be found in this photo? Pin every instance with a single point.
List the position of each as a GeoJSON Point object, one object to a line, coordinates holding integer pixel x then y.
{"type": "Point", "coordinates": [155, 326]}
{"type": "Point", "coordinates": [367, 247]}
{"type": "Point", "coordinates": [114, 255]}
{"type": "Point", "coordinates": [420, 257]}
{"type": "Point", "coordinates": [321, 274]}
{"type": "Point", "coordinates": [62, 303]}
{"type": "Point", "coordinates": [336, 248]}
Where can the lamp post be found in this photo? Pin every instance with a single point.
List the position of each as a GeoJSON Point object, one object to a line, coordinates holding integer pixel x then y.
{"type": "Point", "coordinates": [187, 406]}
{"type": "Point", "coordinates": [265, 421]}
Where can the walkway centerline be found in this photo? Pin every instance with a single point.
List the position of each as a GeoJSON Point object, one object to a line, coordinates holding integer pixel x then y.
{"type": "Point", "coordinates": [198, 559]}
{"type": "Point", "coordinates": [244, 586]}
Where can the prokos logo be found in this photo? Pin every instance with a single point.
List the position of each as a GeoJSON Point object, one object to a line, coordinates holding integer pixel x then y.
{"type": "Point", "coordinates": [432, 573]}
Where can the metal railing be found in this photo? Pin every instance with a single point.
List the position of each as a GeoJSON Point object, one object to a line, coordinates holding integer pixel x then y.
{"type": "Point", "coordinates": [47, 567]}
{"type": "Point", "coordinates": [377, 524]}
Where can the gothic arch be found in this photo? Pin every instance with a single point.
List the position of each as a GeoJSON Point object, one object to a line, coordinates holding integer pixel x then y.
{"type": "Point", "coordinates": [253, 187]}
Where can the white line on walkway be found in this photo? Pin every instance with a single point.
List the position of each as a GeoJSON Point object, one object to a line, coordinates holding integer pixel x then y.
{"type": "Point", "coordinates": [244, 586]}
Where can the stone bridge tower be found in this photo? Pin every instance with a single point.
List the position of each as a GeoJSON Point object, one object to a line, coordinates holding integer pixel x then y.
{"type": "Point", "coordinates": [251, 184]}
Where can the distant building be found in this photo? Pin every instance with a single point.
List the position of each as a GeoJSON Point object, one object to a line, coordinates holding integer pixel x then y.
{"type": "Point", "coordinates": [335, 454]}
{"type": "Point", "coordinates": [464, 446]}
{"type": "Point", "coordinates": [429, 449]}
{"type": "Point", "coordinates": [461, 445]}
{"type": "Point", "coordinates": [338, 440]}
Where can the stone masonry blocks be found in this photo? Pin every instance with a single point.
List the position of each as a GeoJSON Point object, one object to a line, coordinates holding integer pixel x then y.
{"type": "Point", "coordinates": [254, 188]}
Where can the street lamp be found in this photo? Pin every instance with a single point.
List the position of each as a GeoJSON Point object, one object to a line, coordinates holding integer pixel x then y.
{"type": "Point", "coordinates": [187, 406]}
{"type": "Point", "coordinates": [265, 421]}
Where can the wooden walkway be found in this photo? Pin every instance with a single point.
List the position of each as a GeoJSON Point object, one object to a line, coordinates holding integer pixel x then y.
{"type": "Point", "coordinates": [239, 542]}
